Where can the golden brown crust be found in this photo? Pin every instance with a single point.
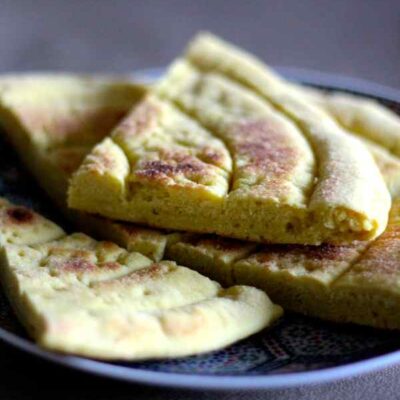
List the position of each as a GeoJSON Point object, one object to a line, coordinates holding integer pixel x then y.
{"type": "Point", "coordinates": [19, 215]}
{"type": "Point", "coordinates": [142, 119]}
{"type": "Point", "coordinates": [20, 225]}
{"type": "Point", "coordinates": [270, 154]}
{"type": "Point", "coordinates": [315, 256]}
{"type": "Point", "coordinates": [380, 263]}
{"type": "Point", "coordinates": [290, 174]}
{"type": "Point", "coordinates": [171, 166]}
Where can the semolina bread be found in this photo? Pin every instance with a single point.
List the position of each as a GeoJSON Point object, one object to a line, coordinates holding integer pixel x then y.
{"type": "Point", "coordinates": [357, 283]}
{"type": "Point", "coordinates": [77, 295]}
{"type": "Point", "coordinates": [221, 145]}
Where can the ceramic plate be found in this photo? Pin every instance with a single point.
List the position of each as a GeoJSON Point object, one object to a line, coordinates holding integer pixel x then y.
{"type": "Point", "coordinates": [296, 351]}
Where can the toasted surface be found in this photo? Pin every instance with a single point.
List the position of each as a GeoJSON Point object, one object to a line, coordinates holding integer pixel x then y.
{"type": "Point", "coordinates": [221, 146]}
{"type": "Point", "coordinates": [80, 296]}
{"type": "Point", "coordinates": [53, 121]}
{"type": "Point", "coordinates": [356, 283]}
{"type": "Point", "coordinates": [20, 225]}
{"type": "Point", "coordinates": [373, 281]}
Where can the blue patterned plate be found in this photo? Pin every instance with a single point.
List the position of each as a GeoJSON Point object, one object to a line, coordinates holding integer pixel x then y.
{"type": "Point", "coordinates": [296, 351]}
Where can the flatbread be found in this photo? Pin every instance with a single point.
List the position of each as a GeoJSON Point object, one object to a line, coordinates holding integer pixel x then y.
{"type": "Point", "coordinates": [210, 255]}
{"type": "Point", "coordinates": [357, 283]}
{"type": "Point", "coordinates": [76, 295]}
{"type": "Point", "coordinates": [220, 146]}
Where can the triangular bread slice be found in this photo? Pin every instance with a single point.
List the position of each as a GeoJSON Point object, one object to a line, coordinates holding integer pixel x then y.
{"type": "Point", "coordinates": [53, 121]}
{"type": "Point", "coordinates": [80, 296]}
{"type": "Point", "coordinates": [356, 283]}
{"type": "Point", "coordinates": [221, 146]}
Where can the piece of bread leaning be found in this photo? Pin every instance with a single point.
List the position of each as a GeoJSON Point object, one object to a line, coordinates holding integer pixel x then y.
{"type": "Point", "coordinates": [221, 145]}
{"type": "Point", "coordinates": [76, 295]}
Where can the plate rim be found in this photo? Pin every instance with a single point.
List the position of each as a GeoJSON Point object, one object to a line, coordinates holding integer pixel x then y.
{"type": "Point", "coordinates": [231, 382]}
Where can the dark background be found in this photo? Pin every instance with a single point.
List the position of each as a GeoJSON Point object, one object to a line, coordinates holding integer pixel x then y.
{"type": "Point", "coordinates": [358, 38]}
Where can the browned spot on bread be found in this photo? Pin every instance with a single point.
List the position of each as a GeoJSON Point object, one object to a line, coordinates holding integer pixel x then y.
{"type": "Point", "coordinates": [78, 265]}
{"type": "Point", "coordinates": [156, 168]}
{"type": "Point", "coordinates": [383, 257]}
{"type": "Point", "coordinates": [211, 156]}
{"type": "Point", "coordinates": [311, 257]}
{"type": "Point", "coordinates": [267, 148]}
{"type": "Point", "coordinates": [20, 215]}
{"type": "Point", "coordinates": [70, 253]}
{"type": "Point", "coordinates": [173, 164]}
{"type": "Point", "coordinates": [143, 118]}
{"type": "Point", "coordinates": [109, 265]}
{"type": "Point", "coordinates": [380, 260]}
{"type": "Point", "coordinates": [147, 273]}
{"type": "Point", "coordinates": [318, 253]}
{"type": "Point", "coordinates": [325, 252]}
{"type": "Point", "coordinates": [150, 272]}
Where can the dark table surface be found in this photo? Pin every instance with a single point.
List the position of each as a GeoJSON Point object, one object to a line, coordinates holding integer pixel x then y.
{"type": "Point", "coordinates": [356, 38]}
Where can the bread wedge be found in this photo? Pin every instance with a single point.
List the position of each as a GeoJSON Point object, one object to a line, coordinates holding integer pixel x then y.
{"type": "Point", "coordinates": [221, 145]}
{"type": "Point", "coordinates": [76, 295]}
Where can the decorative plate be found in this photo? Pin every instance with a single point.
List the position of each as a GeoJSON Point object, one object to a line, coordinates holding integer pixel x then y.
{"type": "Point", "coordinates": [296, 351]}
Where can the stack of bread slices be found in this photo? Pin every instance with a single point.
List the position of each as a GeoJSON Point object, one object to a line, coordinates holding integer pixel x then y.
{"type": "Point", "coordinates": [223, 194]}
